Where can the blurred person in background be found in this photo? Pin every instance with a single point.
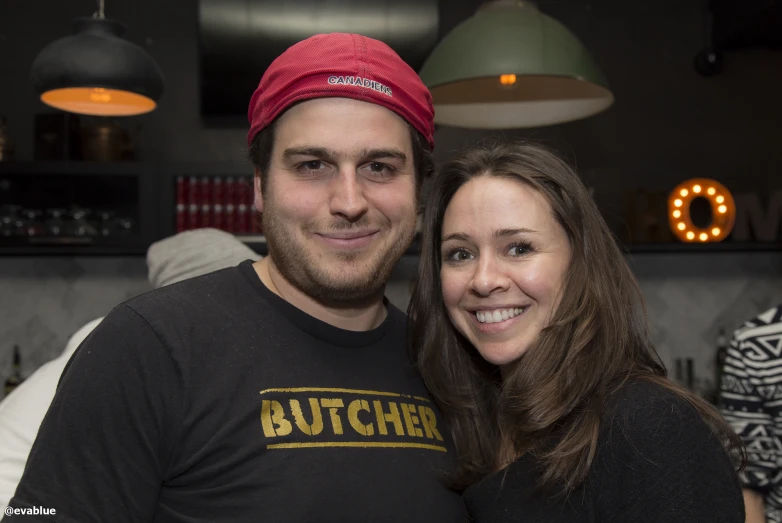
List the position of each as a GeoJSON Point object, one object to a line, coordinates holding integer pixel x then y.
{"type": "Point", "coordinates": [177, 258]}
{"type": "Point", "coordinates": [751, 401]}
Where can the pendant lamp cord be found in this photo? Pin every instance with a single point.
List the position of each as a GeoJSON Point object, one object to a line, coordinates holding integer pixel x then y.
{"type": "Point", "coordinates": [99, 12]}
{"type": "Point", "coordinates": [708, 27]}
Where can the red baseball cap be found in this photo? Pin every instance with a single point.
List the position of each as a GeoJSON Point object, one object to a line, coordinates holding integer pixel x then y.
{"type": "Point", "coordinates": [346, 66]}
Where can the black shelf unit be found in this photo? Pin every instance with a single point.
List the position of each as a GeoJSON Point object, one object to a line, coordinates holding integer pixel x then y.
{"type": "Point", "coordinates": [156, 186]}
{"type": "Point", "coordinates": [722, 247]}
{"type": "Point", "coordinates": [133, 184]}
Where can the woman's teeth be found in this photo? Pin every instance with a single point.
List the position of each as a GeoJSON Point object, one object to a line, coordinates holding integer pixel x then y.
{"type": "Point", "coordinates": [497, 315]}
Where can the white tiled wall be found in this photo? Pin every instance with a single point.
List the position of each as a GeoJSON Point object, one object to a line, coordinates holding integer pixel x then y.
{"type": "Point", "coordinates": [689, 297]}
{"type": "Point", "coordinates": [43, 301]}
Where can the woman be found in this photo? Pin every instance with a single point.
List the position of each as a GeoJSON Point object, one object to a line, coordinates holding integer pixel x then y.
{"type": "Point", "coordinates": [529, 329]}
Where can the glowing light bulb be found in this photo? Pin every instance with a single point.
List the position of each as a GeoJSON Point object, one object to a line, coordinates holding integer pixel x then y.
{"type": "Point", "coordinates": [681, 226]}
{"type": "Point", "coordinates": [677, 202]}
{"type": "Point", "coordinates": [710, 191]}
{"type": "Point", "coordinates": [99, 94]}
{"type": "Point", "coordinates": [704, 236]}
{"type": "Point", "coordinates": [684, 192]}
{"type": "Point", "coordinates": [720, 199]}
{"type": "Point", "coordinates": [696, 189]}
{"type": "Point", "coordinates": [722, 209]}
{"type": "Point", "coordinates": [677, 213]}
{"type": "Point", "coordinates": [715, 231]}
{"type": "Point", "coordinates": [690, 235]}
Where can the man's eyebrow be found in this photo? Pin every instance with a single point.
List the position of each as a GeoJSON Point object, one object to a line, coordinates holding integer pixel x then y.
{"type": "Point", "coordinates": [323, 153]}
{"type": "Point", "coordinates": [317, 152]}
{"type": "Point", "coordinates": [376, 154]}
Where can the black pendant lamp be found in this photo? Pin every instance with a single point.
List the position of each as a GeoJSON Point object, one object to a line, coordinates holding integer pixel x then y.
{"type": "Point", "coordinates": [94, 71]}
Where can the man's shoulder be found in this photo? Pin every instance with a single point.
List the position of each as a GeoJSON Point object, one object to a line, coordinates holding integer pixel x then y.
{"type": "Point", "coordinates": [191, 295]}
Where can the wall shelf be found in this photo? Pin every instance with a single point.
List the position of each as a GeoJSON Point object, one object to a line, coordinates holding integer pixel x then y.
{"type": "Point", "coordinates": [649, 248]}
{"type": "Point", "coordinates": [157, 220]}
{"type": "Point", "coordinates": [76, 168]}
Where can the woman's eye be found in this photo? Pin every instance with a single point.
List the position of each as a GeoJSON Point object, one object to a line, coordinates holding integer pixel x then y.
{"type": "Point", "coordinates": [458, 255]}
{"type": "Point", "coordinates": [519, 249]}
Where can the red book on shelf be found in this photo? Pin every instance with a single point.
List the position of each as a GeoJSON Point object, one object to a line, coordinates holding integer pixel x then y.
{"type": "Point", "coordinates": [216, 202]}
{"type": "Point", "coordinates": [181, 204]}
{"type": "Point", "coordinates": [193, 217]}
{"type": "Point", "coordinates": [191, 202]}
{"type": "Point", "coordinates": [193, 196]}
{"type": "Point", "coordinates": [229, 220]}
{"type": "Point", "coordinates": [218, 190]}
{"type": "Point", "coordinates": [206, 215]}
{"type": "Point", "coordinates": [206, 201]}
{"type": "Point", "coordinates": [241, 224]}
{"type": "Point", "coordinates": [181, 218]}
{"type": "Point", "coordinates": [218, 216]}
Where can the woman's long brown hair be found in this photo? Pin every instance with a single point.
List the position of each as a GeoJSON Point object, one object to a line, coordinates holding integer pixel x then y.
{"type": "Point", "coordinates": [551, 404]}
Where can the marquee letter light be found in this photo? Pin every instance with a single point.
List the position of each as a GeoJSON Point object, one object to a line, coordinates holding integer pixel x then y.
{"type": "Point", "coordinates": [723, 211]}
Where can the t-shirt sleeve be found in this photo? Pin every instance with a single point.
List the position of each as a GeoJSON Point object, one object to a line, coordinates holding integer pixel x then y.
{"type": "Point", "coordinates": [105, 444]}
{"type": "Point", "coordinates": [660, 463]}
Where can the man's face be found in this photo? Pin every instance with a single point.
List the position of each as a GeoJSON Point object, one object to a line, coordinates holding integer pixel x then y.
{"type": "Point", "coordinates": [340, 203]}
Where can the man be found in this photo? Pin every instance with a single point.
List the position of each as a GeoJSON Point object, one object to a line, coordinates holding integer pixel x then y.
{"type": "Point", "coordinates": [179, 257]}
{"type": "Point", "coordinates": [276, 391]}
{"type": "Point", "coordinates": [751, 401]}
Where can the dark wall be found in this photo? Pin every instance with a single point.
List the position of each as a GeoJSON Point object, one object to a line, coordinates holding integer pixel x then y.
{"type": "Point", "coordinates": [667, 124]}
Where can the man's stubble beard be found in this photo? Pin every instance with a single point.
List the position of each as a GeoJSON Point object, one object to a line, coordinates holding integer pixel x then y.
{"type": "Point", "coordinates": [353, 284]}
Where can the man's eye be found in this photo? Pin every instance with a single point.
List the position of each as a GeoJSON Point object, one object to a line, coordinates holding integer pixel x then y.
{"type": "Point", "coordinates": [313, 165]}
{"type": "Point", "coordinates": [380, 168]}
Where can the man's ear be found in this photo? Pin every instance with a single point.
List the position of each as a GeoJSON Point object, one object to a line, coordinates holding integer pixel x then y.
{"type": "Point", "coordinates": [258, 194]}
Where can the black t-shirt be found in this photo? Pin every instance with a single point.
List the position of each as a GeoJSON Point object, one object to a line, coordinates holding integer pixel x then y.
{"type": "Point", "coordinates": [657, 462]}
{"type": "Point", "coordinates": [216, 400]}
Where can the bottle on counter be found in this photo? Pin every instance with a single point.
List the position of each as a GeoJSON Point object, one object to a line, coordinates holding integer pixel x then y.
{"type": "Point", "coordinates": [15, 379]}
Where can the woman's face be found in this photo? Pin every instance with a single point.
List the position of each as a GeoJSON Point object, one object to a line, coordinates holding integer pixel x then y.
{"type": "Point", "coordinates": [504, 258]}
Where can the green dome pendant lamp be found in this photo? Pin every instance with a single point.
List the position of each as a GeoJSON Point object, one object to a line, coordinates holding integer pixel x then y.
{"type": "Point", "coordinates": [511, 66]}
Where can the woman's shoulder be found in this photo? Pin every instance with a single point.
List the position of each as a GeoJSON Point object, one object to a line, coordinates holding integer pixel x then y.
{"type": "Point", "coordinates": [648, 421]}
{"type": "Point", "coordinates": [659, 460]}
{"type": "Point", "coordinates": [652, 397]}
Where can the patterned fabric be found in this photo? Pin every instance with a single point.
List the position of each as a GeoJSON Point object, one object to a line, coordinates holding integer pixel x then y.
{"type": "Point", "coordinates": [751, 401]}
